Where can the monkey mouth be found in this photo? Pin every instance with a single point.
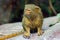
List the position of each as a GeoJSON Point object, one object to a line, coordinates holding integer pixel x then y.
{"type": "Point", "coordinates": [28, 13]}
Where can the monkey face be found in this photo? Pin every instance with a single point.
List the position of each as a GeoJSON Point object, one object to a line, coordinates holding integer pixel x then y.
{"type": "Point", "coordinates": [28, 11]}
{"type": "Point", "coordinates": [31, 11]}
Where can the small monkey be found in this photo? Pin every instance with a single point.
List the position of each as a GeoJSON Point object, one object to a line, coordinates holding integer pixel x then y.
{"type": "Point", "coordinates": [32, 19]}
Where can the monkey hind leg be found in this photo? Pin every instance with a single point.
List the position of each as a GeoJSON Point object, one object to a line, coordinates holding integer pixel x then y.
{"type": "Point", "coordinates": [39, 31]}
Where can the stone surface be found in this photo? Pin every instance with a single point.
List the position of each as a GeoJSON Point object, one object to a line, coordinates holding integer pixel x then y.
{"type": "Point", "coordinates": [15, 27]}
{"type": "Point", "coordinates": [52, 33]}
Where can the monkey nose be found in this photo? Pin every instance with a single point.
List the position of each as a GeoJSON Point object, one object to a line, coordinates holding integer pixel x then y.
{"type": "Point", "coordinates": [28, 12]}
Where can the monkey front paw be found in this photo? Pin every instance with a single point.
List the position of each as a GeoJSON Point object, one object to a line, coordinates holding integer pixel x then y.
{"type": "Point", "coordinates": [40, 32]}
{"type": "Point", "coordinates": [26, 35]}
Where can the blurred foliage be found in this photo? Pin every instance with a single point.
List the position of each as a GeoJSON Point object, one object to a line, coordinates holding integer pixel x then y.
{"type": "Point", "coordinates": [45, 7]}
{"type": "Point", "coordinates": [48, 11]}
{"type": "Point", "coordinates": [18, 8]}
{"type": "Point", "coordinates": [57, 6]}
{"type": "Point", "coordinates": [44, 4]}
{"type": "Point", "coordinates": [17, 11]}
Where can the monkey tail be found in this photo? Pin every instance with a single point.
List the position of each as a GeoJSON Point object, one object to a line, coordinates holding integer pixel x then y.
{"type": "Point", "coordinates": [12, 35]}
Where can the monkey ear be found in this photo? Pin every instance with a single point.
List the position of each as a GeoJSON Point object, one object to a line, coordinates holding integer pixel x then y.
{"type": "Point", "coordinates": [37, 9]}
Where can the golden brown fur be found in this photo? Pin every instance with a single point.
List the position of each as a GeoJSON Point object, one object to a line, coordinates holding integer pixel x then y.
{"type": "Point", "coordinates": [32, 18]}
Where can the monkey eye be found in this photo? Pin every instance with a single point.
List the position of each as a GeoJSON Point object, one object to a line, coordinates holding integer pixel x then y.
{"type": "Point", "coordinates": [27, 9]}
